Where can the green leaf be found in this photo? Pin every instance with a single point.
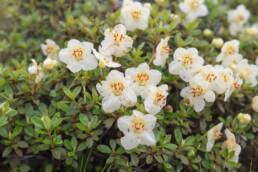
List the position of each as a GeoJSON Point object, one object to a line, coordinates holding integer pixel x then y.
{"type": "Point", "coordinates": [84, 119]}
{"type": "Point", "coordinates": [68, 93]}
{"type": "Point", "coordinates": [82, 147]}
{"type": "Point", "coordinates": [3, 121]}
{"type": "Point", "coordinates": [171, 146]}
{"type": "Point", "coordinates": [17, 130]}
{"type": "Point", "coordinates": [76, 91]}
{"type": "Point", "coordinates": [37, 122]}
{"type": "Point", "coordinates": [178, 136]}
{"type": "Point", "coordinates": [74, 143]}
{"type": "Point", "coordinates": [6, 151]}
{"type": "Point", "coordinates": [3, 132]}
{"type": "Point", "coordinates": [23, 144]}
{"type": "Point", "coordinates": [68, 145]}
{"type": "Point", "coordinates": [104, 149]}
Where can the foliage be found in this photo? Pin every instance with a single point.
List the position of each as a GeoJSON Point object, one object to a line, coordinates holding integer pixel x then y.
{"type": "Point", "coordinates": [60, 122]}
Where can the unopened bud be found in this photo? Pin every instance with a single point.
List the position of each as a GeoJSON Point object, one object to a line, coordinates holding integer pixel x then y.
{"type": "Point", "coordinates": [217, 42]}
{"type": "Point", "coordinates": [208, 32]}
{"type": "Point", "coordinates": [244, 118]}
{"type": "Point", "coordinates": [49, 63]}
{"type": "Point", "coordinates": [147, 5]}
{"type": "Point", "coordinates": [255, 103]}
{"type": "Point", "coordinates": [168, 108]}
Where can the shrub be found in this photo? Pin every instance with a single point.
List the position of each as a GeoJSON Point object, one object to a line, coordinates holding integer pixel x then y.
{"type": "Point", "coordinates": [54, 120]}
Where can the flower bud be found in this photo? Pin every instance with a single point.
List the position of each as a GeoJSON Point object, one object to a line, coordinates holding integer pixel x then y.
{"type": "Point", "coordinates": [174, 16]}
{"type": "Point", "coordinates": [217, 42]}
{"type": "Point", "coordinates": [255, 103]}
{"type": "Point", "coordinates": [33, 70]}
{"type": "Point", "coordinates": [208, 32]}
{"type": "Point", "coordinates": [147, 5]}
{"type": "Point", "coordinates": [251, 31]}
{"type": "Point", "coordinates": [168, 108]}
{"type": "Point", "coordinates": [49, 63]}
{"type": "Point", "coordinates": [244, 118]}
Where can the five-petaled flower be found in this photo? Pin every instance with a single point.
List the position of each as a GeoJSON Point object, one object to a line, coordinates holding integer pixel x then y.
{"type": "Point", "coordinates": [134, 15]}
{"type": "Point", "coordinates": [50, 49]}
{"type": "Point", "coordinates": [137, 129]}
{"type": "Point", "coordinates": [78, 55]}
{"type": "Point", "coordinates": [143, 77]}
{"type": "Point", "coordinates": [116, 90]}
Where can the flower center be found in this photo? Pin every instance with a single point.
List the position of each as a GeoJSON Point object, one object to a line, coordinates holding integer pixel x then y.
{"type": "Point", "coordinates": [236, 85]}
{"type": "Point", "coordinates": [138, 124]}
{"type": "Point", "coordinates": [187, 60]}
{"type": "Point", "coordinates": [118, 38]}
{"type": "Point", "coordinates": [210, 77]}
{"type": "Point", "coordinates": [50, 49]}
{"type": "Point", "coordinates": [188, 101]}
{"type": "Point", "coordinates": [136, 14]}
{"type": "Point", "coordinates": [225, 77]}
{"type": "Point", "coordinates": [77, 54]}
{"type": "Point", "coordinates": [165, 50]}
{"type": "Point", "coordinates": [231, 144]}
{"type": "Point", "coordinates": [194, 4]}
{"type": "Point", "coordinates": [230, 50]}
{"type": "Point", "coordinates": [117, 88]}
{"type": "Point", "coordinates": [159, 99]}
{"type": "Point", "coordinates": [198, 91]}
{"type": "Point", "coordinates": [239, 18]}
{"type": "Point", "coordinates": [142, 78]}
{"type": "Point", "coordinates": [216, 133]}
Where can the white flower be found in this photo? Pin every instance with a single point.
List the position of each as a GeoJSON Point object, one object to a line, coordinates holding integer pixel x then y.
{"type": "Point", "coordinates": [116, 42]}
{"type": "Point", "coordinates": [231, 145]}
{"type": "Point", "coordinates": [156, 98]}
{"type": "Point", "coordinates": [34, 68]}
{"type": "Point", "coordinates": [217, 42]}
{"type": "Point", "coordinates": [224, 81]}
{"type": "Point", "coordinates": [134, 15]}
{"type": "Point", "coordinates": [195, 94]}
{"type": "Point", "coordinates": [39, 77]}
{"type": "Point", "coordinates": [50, 49]}
{"type": "Point", "coordinates": [143, 77]}
{"type": "Point", "coordinates": [244, 118]}
{"type": "Point", "coordinates": [208, 74]}
{"type": "Point", "coordinates": [235, 85]}
{"type": "Point", "coordinates": [237, 18]}
{"type": "Point", "coordinates": [137, 129]}
{"type": "Point", "coordinates": [248, 72]}
{"type": "Point", "coordinates": [186, 62]}
{"type": "Point", "coordinates": [78, 55]}
{"type": "Point", "coordinates": [232, 62]}
{"type": "Point", "coordinates": [213, 134]}
{"type": "Point", "coordinates": [162, 52]}
{"type": "Point", "coordinates": [252, 31]}
{"type": "Point", "coordinates": [193, 9]}
{"type": "Point", "coordinates": [105, 60]}
{"type": "Point", "coordinates": [116, 90]}
{"type": "Point", "coordinates": [255, 103]}
{"type": "Point", "coordinates": [230, 48]}
{"type": "Point", "coordinates": [49, 63]}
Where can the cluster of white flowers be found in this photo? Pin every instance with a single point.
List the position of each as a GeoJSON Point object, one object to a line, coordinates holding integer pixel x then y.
{"type": "Point", "coordinates": [206, 80]}
{"type": "Point", "coordinates": [230, 144]}
{"type": "Point", "coordinates": [237, 18]}
{"type": "Point", "coordinates": [121, 89]}
{"type": "Point", "coordinates": [231, 58]}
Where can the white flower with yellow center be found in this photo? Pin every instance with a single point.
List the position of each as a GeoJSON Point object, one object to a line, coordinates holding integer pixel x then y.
{"type": "Point", "coordinates": [213, 134]}
{"type": "Point", "coordinates": [78, 55]}
{"type": "Point", "coordinates": [162, 52]}
{"type": "Point", "coordinates": [50, 49]}
{"type": "Point", "coordinates": [116, 90]}
{"type": "Point", "coordinates": [232, 62]}
{"type": "Point", "coordinates": [237, 18]}
{"type": "Point", "coordinates": [248, 72]}
{"type": "Point", "coordinates": [143, 77]}
{"type": "Point", "coordinates": [186, 62]}
{"type": "Point", "coordinates": [116, 42]}
{"type": "Point", "coordinates": [156, 98]}
{"type": "Point", "coordinates": [255, 103]}
{"type": "Point", "coordinates": [195, 94]}
{"type": "Point", "coordinates": [137, 129]}
{"type": "Point", "coordinates": [105, 60]}
{"type": "Point", "coordinates": [230, 48]}
{"type": "Point", "coordinates": [49, 63]}
{"type": "Point", "coordinates": [231, 145]}
{"type": "Point", "coordinates": [193, 9]}
{"type": "Point", "coordinates": [207, 74]}
{"type": "Point", "coordinates": [134, 15]}
{"type": "Point", "coordinates": [235, 85]}
{"type": "Point", "coordinates": [224, 81]}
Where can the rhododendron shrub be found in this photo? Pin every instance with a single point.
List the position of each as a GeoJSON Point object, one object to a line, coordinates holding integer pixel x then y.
{"type": "Point", "coordinates": [123, 85]}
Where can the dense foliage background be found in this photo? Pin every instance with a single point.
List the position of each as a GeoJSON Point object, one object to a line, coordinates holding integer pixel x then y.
{"type": "Point", "coordinates": [77, 135]}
